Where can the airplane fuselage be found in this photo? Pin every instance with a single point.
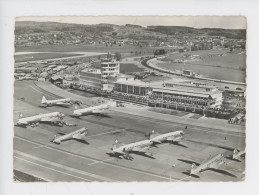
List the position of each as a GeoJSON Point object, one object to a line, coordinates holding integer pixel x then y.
{"type": "Point", "coordinates": [210, 163]}
{"type": "Point", "coordinates": [163, 137]}
{"type": "Point", "coordinates": [57, 102]}
{"type": "Point", "coordinates": [36, 118]}
{"type": "Point", "coordinates": [68, 136]}
{"type": "Point", "coordinates": [90, 110]}
{"type": "Point", "coordinates": [130, 147]}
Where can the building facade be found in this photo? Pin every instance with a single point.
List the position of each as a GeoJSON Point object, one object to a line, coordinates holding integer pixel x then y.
{"type": "Point", "coordinates": [187, 94]}
{"type": "Point", "coordinates": [109, 67]}
{"type": "Point", "coordinates": [90, 77]}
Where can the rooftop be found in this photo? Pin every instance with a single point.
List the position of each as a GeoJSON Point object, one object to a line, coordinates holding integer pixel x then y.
{"type": "Point", "coordinates": [92, 70]}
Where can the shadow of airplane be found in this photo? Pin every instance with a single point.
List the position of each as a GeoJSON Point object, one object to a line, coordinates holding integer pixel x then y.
{"type": "Point", "coordinates": [112, 155]}
{"type": "Point", "coordinates": [188, 173]}
{"type": "Point", "coordinates": [189, 162]}
{"type": "Point", "coordinates": [227, 148]}
{"type": "Point", "coordinates": [142, 154]}
{"type": "Point", "coordinates": [82, 141]}
{"type": "Point", "coordinates": [222, 172]}
{"type": "Point", "coordinates": [101, 115]}
{"type": "Point", "coordinates": [23, 126]}
{"type": "Point", "coordinates": [175, 143]}
{"type": "Point", "coordinates": [212, 145]}
{"type": "Point", "coordinates": [230, 158]}
{"type": "Point", "coordinates": [58, 123]}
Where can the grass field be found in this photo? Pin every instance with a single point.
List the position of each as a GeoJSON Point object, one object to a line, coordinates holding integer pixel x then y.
{"type": "Point", "coordinates": [40, 56]}
{"type": "Point", "coordinates": [218, 64]}
{"type": "Point", "coordinates": [128, 67]}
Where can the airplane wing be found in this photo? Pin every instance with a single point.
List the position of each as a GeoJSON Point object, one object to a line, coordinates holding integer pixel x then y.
{"type": "Point", "coordinates": [157, 142]}
{"type": "Point", "coordinates": [96, 111]}
{"type": "Point", "coordinates": [120, 153]}
{"type": "Point", "coordinates": [49, 119]}
{"type": "Point", "coordinates": [77, 136]}
{"type": "Point", "coordinates": [62, 104]}
{"type": "Point", "coordinates": [140, 149]}
{"type": "Point", "coordinates": [175, 139]}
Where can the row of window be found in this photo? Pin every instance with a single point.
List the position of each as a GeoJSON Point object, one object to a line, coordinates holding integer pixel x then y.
{"type": "Point", "coordinates": [111, 73]}
{"type": "Point", "coordinates": [110, 69]}
{"type": "Point", "coordinates": [109, 65]}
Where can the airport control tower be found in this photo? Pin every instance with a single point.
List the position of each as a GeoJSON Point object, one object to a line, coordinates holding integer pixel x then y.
{"type": "Point", "coordinates": [109, 67]}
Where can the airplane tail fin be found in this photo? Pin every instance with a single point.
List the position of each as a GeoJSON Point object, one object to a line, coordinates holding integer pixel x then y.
{"type": "Point", "coordinates": [43, 100]}
{"type": "Point", "coordinates": [193, 166]}
{"type": "Point", "coordinates": [234, 155]}
{"type": "Point", "coordinates": [191, 171]}
{"type": "Point", "coordinates": [152, 134]}
{"type": "Point", "coordinates": [85, 132]}
{"type": "Point", "coordinates": [235, 151]}
{"type": "Point", "coordinates": [114, 146]}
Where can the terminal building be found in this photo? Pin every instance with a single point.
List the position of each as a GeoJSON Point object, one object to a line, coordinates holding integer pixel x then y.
{"type": "Point", "coordinates": [182, 92]}
{"type": "Point", "coordinates": [91, 78]}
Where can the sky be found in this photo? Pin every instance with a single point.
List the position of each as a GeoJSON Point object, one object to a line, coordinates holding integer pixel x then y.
{"type": "Point", "coordinates": [227, 22]}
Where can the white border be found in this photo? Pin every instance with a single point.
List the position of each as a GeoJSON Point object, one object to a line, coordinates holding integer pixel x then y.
{"type": "Point", "coordinates": [9, 9]}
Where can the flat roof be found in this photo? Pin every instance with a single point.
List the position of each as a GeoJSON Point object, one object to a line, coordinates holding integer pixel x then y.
{"type": "Point", "coordinates": [181, 93]}
{"type": "Point", "coordinates": [138, 83]}
{"type": "Point", "coordinates": [159, 85]}
{"type": "Point", "coordinates": [92, 70]}
{"type": "Point", "coordinates": [192, 85]}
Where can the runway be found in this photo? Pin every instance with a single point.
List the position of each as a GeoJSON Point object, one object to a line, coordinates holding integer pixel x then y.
{"type": "Point", "coordinates": [74, 161]}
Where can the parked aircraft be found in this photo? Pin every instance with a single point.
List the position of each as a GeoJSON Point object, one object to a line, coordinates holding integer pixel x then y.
{"type": "Point", "coordinates": [91, 110]}
{"type": "Point", "coordinates": [78, 135]}
{"type": "Point", "coordinates": [213, 164]}
{"type": "Point", "coordinates": [137, 148]}
{"type": "Point", "coordinates": [54, 117]}
{"type": "Point", "coordinates": [175, 137]}
{"type": "Point", "coordinates": [238, 154]}
{"type": "Point", "coordinates": [59, 102]}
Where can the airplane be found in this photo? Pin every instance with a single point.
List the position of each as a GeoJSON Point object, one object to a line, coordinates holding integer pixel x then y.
{"type": "Point", "coordinates": [48, 117]}
{"type": "Point", "coordinates": [59, 102]}
{"type": "Point", "coordinates": [213, 164]}
{"type": "Point", "coordinates": [237, 154]}
{"type": "Point", "coordinates": [78, 135]}
{"type": "Point", "coordinates": [174, 137]}
{"type": "Point", "coordinates": [137, 148]}
{"type": "Point", "coordinates": [90, 110]}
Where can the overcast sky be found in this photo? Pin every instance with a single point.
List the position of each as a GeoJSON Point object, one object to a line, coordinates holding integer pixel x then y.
{"type": "Point", "coordinates": [227, 22]}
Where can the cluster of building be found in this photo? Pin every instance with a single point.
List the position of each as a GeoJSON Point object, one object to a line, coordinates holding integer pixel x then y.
{"type": "Point", "coordinates": [180, 91]}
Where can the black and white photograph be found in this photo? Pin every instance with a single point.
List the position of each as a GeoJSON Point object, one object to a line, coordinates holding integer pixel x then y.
{"type": "Point", "coordinates": [129, 99]}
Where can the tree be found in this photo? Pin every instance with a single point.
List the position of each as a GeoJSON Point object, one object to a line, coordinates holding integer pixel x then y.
{"type": "Point", "coordinates": [117, 56]}
{"type": "Point", "coordinates": [109, 55]}
{"type": "Point", "coordinates": [114, 33]}
{"type": "Point", "coordinates": [160, 52]}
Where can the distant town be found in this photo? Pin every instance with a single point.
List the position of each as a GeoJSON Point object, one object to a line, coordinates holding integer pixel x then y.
{"type": "Point", "coordinates": [172, 38]}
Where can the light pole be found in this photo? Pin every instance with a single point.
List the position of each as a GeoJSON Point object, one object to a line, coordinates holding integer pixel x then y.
{"type": "Point", "coordinates": [162, 95]}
